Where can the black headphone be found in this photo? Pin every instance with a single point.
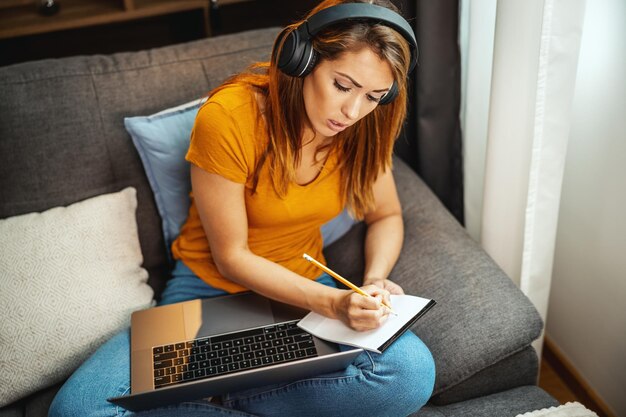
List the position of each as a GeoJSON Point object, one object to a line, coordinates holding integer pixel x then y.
{"type": "Point", "coordinates": [297, 57]}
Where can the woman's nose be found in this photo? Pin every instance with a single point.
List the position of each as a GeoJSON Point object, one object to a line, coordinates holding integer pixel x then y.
{"type": "Point", "coordinates": [351, 108]}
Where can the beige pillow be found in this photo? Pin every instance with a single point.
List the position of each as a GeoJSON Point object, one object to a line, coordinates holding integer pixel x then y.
{"type": "Point", "coordinates": [69, 277]}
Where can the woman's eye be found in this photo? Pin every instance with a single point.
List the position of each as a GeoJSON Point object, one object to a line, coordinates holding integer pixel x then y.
{"type": "Point", "coordinates": [346, 89]}
{"type": "Point", "coordinates": [341, 87]}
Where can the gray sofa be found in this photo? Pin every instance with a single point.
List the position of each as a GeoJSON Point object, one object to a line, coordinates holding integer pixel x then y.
{"type": "Point", "coordinates": [62, 140]}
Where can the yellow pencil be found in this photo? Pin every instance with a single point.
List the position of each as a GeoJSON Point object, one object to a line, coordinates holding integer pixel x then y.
{"type": "Point", "coordinates": [342, 279]}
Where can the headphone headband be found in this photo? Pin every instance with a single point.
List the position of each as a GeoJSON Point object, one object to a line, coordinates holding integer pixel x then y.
{"type": "Point", "coordinates": [360, 11]}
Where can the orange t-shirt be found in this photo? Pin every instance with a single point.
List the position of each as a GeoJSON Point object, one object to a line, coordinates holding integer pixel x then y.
{"type": "Point", "coordinates": [227, 139]}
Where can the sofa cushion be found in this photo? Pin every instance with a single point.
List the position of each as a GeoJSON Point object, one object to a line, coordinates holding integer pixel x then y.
{"type": "Point", "coordinates": [520, 368]}
{"type": "Point", "coordinates": [480, 318]}
{"type": "Point", "coordinates": [508, 403]}
{"type": "Point", "coordinates": [162, 140]}
{"type": "Point", "coordinates": [35, 405]}
{"type": "Point", "coordinates": [71, 277]}
{"type": "Point", "coordinates": [62, 136]}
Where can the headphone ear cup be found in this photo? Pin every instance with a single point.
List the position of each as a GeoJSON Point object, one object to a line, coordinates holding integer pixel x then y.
{"type": "Point", "coordinates": [391, 94]}
{"type": "Point", "coordinates": [296, 56]}
{"type": "Point", "coordinates": [290, 53]}
{"type": "Point", "coordinates": [277, 49]}
{"type": "Point", "coordinates": [311, 64]}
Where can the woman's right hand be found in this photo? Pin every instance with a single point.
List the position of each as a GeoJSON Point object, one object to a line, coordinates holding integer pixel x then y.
{"type": "Point", "coordinates": [363, 313]}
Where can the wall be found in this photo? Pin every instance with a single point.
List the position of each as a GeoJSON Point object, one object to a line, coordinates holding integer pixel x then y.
{"type": "Point", "coordinates": [587, 310]}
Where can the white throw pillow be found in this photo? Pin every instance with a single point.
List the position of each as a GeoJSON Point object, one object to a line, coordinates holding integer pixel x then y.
{"type": "Point", "coordinates": [69, 279]}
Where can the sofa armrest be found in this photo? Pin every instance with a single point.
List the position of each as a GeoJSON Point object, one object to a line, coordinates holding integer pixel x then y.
{"type": "Point", "coordinates": [480, 318]}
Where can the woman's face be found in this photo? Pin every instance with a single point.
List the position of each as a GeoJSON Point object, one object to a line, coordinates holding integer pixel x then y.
{"type": "Point", "coordinates": [339, 93]}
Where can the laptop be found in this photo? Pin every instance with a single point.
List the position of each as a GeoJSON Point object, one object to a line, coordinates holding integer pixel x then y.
{"type": "Point", "coordinates": [202, 348]}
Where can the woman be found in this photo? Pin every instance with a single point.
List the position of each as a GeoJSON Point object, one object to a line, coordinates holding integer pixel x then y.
{"type": "Point", "coordinates": [275, 153]}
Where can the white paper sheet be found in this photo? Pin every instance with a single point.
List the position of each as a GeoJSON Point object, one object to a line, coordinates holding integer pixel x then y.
{"type": "Point", "coordinates": [407, 307]}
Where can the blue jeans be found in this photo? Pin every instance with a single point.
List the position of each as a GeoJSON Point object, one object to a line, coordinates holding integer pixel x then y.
{"type": "Point", "coordinates": [395, 383]}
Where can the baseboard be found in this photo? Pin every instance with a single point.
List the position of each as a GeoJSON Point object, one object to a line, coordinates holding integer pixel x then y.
{"type": "Point", "coordinates": [575, 382]}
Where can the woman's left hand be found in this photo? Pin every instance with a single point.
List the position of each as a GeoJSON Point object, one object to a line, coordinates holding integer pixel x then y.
{"type": "Point", "coordinates": [385, 284]}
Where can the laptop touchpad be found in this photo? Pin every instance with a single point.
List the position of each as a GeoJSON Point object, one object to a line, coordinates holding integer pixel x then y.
{"type": "Point", "coordinates": [227, 314]}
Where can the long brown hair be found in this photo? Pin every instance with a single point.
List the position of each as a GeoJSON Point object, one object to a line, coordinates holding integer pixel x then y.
{"type": "Point", "coordinates": [365, 148]}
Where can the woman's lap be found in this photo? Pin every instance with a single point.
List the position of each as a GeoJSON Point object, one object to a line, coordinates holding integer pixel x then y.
{"type": "Point", "coordinates": [367, 382]}
{"type": "Point", "coordinates": [395, 383]}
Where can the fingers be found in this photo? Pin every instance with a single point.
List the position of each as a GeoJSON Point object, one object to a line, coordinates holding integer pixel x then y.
{"type": "Point", "coordinates": [378, 293]}
{"type": "Point", "coordinates": [393, 288]}
{"type": "Point", "coordinates": [367, 313]}
{"type": "Point", "coordinates": [367, 319]}
{"type": "Point", "coordinates": [390, 286]}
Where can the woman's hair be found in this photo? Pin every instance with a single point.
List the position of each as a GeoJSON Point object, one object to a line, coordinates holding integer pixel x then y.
{"type": "Point", "coordinates": [365, 148]}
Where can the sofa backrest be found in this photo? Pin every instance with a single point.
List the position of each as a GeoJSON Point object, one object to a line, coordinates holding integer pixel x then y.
{"type": "Point", "coordinates": [62, 136]}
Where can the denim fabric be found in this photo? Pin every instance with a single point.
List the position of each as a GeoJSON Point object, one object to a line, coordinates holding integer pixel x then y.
{"type": "Point", "coordinates": [395, 383]}
{"type": "Point", "coordinates": [185, 285]}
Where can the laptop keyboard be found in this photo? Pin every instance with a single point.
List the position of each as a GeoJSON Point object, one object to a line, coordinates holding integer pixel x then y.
{"type": "Point", "coordinates": [232, 352]}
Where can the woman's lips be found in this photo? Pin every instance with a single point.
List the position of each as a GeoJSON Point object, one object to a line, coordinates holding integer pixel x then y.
{"type": "Point", "coordinates": [335, 126]}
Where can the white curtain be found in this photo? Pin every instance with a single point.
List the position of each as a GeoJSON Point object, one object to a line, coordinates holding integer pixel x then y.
{"type": "Point", "coordinates": [478, 20]}
{"type": "Point", "coordinates": [521, 133]}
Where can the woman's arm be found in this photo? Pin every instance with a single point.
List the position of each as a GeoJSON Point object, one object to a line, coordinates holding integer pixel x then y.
{"type": "Point", "coordinates": [222, 210]}
{"type": "Point", "coordinates": [385, 233]}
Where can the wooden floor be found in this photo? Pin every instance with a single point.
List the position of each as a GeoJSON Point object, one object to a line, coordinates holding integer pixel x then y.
{"type": "Point", "coordinates": [550, 381]}
{"type": "Point", "coordinates": [555, 380]}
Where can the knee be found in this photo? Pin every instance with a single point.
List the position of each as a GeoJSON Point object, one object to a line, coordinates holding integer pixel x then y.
{"type": "Point", "coordinates": [85, 393]}
{"type": "Point", "coordinates": [62, 404]}
{"type": "Point", "coordinates": [417, 372]}
{"type": "Point", "coordinates": [410, 369]}
{"type": "Point", "coordinates": [82, 396]}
